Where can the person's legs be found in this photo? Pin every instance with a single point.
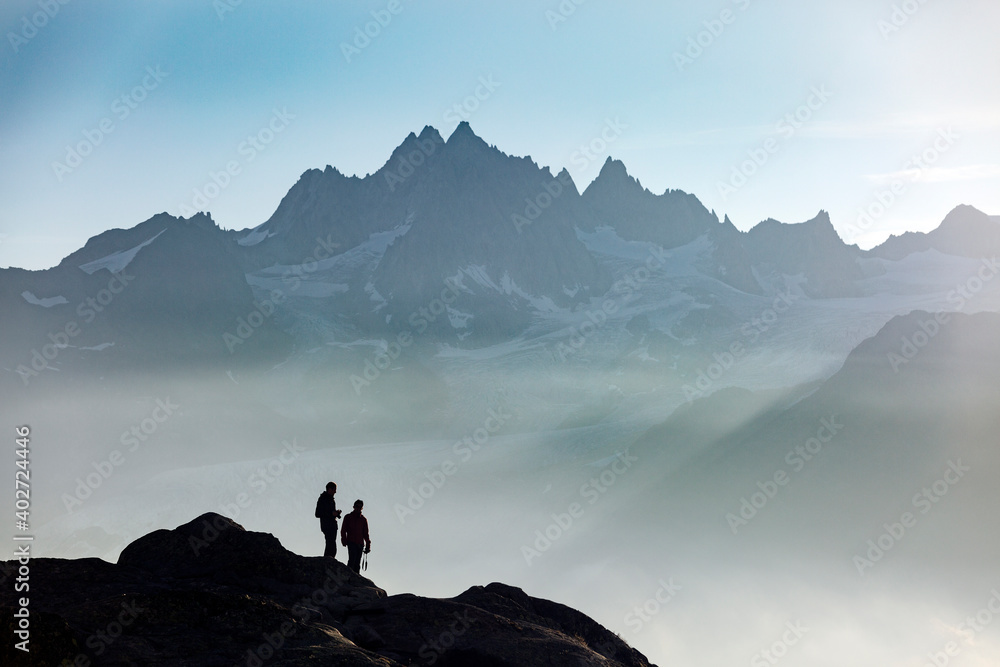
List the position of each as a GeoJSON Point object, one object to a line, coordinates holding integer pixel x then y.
{"type": "Point", "coordinates": [331, 545]}
{"type": "Point", "coordinates": [354, 557]}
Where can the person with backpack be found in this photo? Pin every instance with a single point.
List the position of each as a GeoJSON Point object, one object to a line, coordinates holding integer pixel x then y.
{"type": "Point", "coordinates": [354, 536]}
{"type": "Point", "coordinates": [327, 513]}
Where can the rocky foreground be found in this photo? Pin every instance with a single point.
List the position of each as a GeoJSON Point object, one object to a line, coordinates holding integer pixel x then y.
{"type": "Point", "coordinates": [211, 593]}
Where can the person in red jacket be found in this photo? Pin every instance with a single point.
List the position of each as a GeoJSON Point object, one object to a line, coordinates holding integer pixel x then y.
{"type": "Point", "coordinates": [354, 536]}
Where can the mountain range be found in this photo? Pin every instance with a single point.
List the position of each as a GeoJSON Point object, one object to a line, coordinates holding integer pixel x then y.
{"type": "Point", "coordinates": [471, 344]}
{"type": "Point", "coordinates": [454, 238]}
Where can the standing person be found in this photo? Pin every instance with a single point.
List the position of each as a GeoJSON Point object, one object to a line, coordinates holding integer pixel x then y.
{"type": "Point", "coordinates": [354, 536]}
{"type": "Point", "coordinates": [327, 513]}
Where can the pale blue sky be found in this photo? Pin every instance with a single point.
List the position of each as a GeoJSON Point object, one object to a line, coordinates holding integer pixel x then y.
{"type": "Point", "coordinates": [556, 85]}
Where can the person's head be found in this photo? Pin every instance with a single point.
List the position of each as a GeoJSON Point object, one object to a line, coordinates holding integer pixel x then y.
{"type": "Point", "coordinates": [331, 488]}
{"type": "Point", "coordinates": [358, 505]}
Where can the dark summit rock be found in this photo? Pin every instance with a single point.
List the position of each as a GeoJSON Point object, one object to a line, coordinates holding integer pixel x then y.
{"type": "Point", "coordinates": [211, 593]}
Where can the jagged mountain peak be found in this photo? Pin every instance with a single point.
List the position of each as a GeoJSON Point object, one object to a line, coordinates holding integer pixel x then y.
{"type": "Point", "coordinates": [463, 133]}
{"type": "Point", "coordinates": [414, 150]}
{"type": "Point", "coordinates": [823, 217]}
{"type": "Point", "coordinates": [614, 176]}
{"type": "Point", "coordinates": [463, 147]}
{"type": "Point", "coordinates": [312, 178]}
{"type": "Point", "coordinates": [464, 143]}
{"type": "Point", "coordinates": [201, 219]}
{"type": "Point", "coordinates": [431, 133]}
{"type": "Point", "coordinates": [564, 177]}
{"type": "Point", "coordinates": [333, 171]}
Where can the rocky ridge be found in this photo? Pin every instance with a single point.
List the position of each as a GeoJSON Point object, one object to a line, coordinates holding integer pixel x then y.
{"type": "Point", "coordinates": [211, 593]}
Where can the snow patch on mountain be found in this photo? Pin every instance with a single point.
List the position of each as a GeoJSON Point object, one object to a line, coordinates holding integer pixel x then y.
{"type": "Point", "coordinates": [380, 241]}
{"type": "Point", "coordinates": [98, 348]}
{"type": "Point", "coordinates": [540, 303]}
{"type": "Point", "coordinates": [458, 319]}
{"type": "Point", "coordinates": [374, 295]}
{"type": "Point", "coordinates": [506, 286]}
{"type": "Point", "coordinates": [479, 275]}
{"type": "Point", "coordinates": [116, 262]}
{"type": "Point", "coordinates": [604, 242]}
{"type": "Point", "coordinates": [255, 237]}
{"type": "Point", "coordinates": [333, 275]}
{"type": "Point", "coordinates": [362, 258]}
{"type": "Point", "coordinates": [47, 302]}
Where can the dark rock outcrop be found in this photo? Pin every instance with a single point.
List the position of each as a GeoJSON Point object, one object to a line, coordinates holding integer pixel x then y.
{"type": "Point", "coordinates": [211, 593]}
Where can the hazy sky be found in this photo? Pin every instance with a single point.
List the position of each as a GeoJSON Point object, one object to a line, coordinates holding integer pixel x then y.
{"type": "Point", "coordinates": [872, 86]}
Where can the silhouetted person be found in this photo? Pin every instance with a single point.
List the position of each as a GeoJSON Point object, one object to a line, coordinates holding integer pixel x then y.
{"type": "Point", "coordinates": [354, 536]}
{"type": "Point", "coordinates": [327, 513]}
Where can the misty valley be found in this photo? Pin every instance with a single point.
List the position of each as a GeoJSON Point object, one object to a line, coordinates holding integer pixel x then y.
{"type": "Point", "coordinates": [610, 398]}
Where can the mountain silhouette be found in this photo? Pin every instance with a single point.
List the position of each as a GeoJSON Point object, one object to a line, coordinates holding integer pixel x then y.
{"type": "Point", "coordinates": [211, 593]}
